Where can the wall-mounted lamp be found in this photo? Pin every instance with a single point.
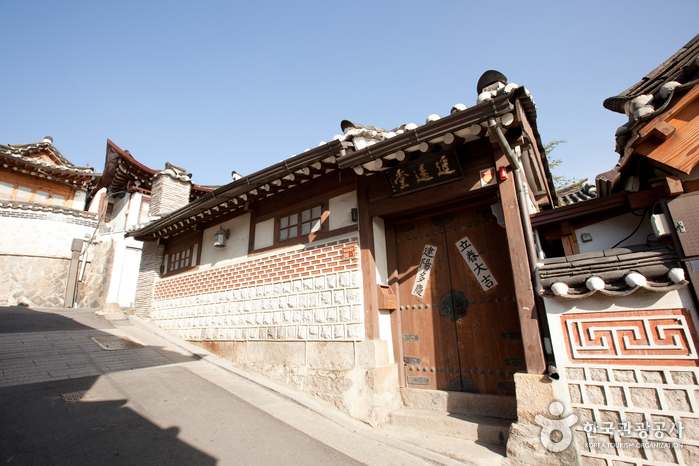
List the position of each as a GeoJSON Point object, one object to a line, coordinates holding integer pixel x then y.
{"type": "Point", "coordinates": [220, 237]}
{"type": "Point", "coordinates": [355, 214]}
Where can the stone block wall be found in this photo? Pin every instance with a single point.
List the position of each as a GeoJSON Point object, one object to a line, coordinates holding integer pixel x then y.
{"type": "Point", "coordinates": [35, 253]}
{"type": "Point", "coordinates": [658, 405]}
{"type": "Point", "coordinates": [355, 376]}
{"type": "Point", "coordinates": [295, 316]}
{"type": "Point", "coordinates": [629, 371]}
{"type": "Point", "coordinates": [33, 281]}
{"type": "Point", "coordinates": [93, 289]}
{"type": "Point", "coordinates": [310, 293]}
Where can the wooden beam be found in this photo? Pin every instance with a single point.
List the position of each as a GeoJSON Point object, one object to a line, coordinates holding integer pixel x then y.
{"type": "Point", "coordinates": [368, 262]}
{"type": "Point", "coordinates": [528, 317]}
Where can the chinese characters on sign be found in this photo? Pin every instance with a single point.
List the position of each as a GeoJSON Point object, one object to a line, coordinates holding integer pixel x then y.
{"type": "Point", "coordinates": [426, 171]}
{"type": "Point", "coordinates": [476, 263]}
{"type": "Point", "coordinates": [423, 271]}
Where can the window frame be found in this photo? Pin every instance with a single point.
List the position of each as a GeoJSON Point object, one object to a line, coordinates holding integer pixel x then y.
{"type": "Point", "coordinates": [298, 210]}
{"type": "Point", "coordinates": [190, 242]}
{"type": "Point", "coordinates": [34, 186]}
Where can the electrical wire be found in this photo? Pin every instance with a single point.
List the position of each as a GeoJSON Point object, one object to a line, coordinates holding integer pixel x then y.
{"type": "Point", "coordinates": [633, 232]}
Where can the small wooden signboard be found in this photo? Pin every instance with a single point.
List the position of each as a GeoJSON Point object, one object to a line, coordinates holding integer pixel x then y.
{"type": "Point", "coordinates": [426, 171]}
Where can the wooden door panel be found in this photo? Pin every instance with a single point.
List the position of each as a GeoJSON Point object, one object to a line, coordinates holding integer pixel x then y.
{"type": "Point", "coordinates": [432, 360]}
{"type": "Point", "coordinates": [488, 336]}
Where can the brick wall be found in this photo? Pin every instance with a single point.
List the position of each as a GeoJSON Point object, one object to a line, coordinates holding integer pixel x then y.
{"type": "Point", "coordinates": [310, 293]}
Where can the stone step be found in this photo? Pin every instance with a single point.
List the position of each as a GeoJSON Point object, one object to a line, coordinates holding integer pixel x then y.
{"type": "Point", "coordinates": [467, 427]}
{"type": "Point", "coordinates": [465, 451]}
{"type": "Point", "coordinates": [498, 406]}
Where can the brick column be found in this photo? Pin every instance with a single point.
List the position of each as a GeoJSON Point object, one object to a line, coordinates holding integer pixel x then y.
{"type": "Point", "coordinates": [148, 274]}
{"type": "Point", "coordinates": [171, 190]}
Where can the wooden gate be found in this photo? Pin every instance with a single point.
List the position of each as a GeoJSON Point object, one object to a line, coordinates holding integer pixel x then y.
{"type": "Point", "coordinates": [459, 312]}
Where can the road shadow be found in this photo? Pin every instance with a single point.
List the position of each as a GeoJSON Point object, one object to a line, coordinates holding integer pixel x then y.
{"type": "Point", "coordinates": [40, 428]}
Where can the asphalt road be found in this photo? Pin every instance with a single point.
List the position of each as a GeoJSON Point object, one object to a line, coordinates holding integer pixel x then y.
{"type": "Point", "coordinates": [149, 404]}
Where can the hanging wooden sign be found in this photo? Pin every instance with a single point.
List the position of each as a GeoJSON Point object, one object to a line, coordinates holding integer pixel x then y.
{"type": "Point", "coordinates": [426, 171]}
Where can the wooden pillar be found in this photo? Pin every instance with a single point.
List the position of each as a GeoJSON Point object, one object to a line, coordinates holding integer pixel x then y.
{"type": "Point", "coordinates": [396, 323]}
{"type": "Point", "coordinates": [368, 262]}
{"type": "Point", "coordinates": [528, 318]}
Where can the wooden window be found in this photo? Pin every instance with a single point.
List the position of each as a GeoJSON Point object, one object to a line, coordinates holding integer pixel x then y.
{"type": "Point", "coordinates": [182, 254]}
{"type": "Point", "coordinates": [24, 190]}
{"type": "Point", "coordinates": [6, 190]}
{"type": "Point", "coordinates": [301, 225]}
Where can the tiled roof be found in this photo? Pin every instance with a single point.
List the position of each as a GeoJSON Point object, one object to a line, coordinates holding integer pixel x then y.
{"type": "Point", "coordinates": [122, 171]}
{"type": "Point", "coordinates": [22, 158]}
{"type": "Point", "coordinates": [365, 149]}
{"type": "Point", "coordinates": [579, 192]}
{"type": "Point", "coordinates": [646, 103]}
{"type": "Point", "coordinates": [679, 69]}
{"type": "Point", "coordinates": [47, 208]}
{"type": "Point", "coordinates": [613, 272]}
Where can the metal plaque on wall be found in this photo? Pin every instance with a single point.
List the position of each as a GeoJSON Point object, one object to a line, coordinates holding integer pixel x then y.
{"type": "Point", "coordinates": [426, 171]}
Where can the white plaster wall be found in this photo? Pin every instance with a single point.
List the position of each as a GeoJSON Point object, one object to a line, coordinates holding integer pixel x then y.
{"type": "Point", "coordinates": [29, 237]}
{"type": "Point", "coordinates": [385, 332]}
{"type": "Point", "coordinates": [95, 202]}
{"type": "Point", "coordinates": [121, 208]}
{"type": "Point", "coordinates": [609, 232]}
{"type": "Point", "coordinates": [341, 210]}
{"type": "Point", "coordinates": [236, 244]}
{"type": "Point", "coordinates": [79, 199]}
{"type": "Point", "coordinates": [118, 265]}
{"type": "Point", "coordinates": [134, 207]}
{"type": "Point", "coordinates": [380, 250]}
{"type": "Point", "coordinates": [264, 234]}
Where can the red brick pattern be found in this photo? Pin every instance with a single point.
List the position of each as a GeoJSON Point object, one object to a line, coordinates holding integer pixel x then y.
{"type": "Point", "coordinates": [312, 260]}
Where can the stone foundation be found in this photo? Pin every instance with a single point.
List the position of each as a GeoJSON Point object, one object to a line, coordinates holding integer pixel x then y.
{"type": "Point", "coordinates": [354, 376]}
{"type": "Point", "coordinates": [33, 281]}
{"type": "Point", "coordinates": [535, 393]}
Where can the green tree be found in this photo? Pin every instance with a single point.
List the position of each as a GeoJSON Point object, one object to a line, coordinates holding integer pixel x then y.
{"type": "Point", "coordinates": [559, 181]}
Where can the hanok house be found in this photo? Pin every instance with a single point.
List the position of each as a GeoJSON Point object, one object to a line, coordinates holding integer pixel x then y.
{"type": "Point", "coordinates": [381, 269]}
{"type": "Point", "coordinates": [43, 223]}
{"type": "Point", "coordinates": [619, 283]}
{"type": "Point", "coordinates": [122, 198]}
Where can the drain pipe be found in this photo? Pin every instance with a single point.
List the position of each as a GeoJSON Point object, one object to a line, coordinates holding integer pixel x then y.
{"type": "Point", "coordinates": [522, 201]}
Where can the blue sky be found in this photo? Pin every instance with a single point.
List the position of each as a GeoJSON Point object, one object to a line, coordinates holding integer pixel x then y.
{"type": "Point", "coordinates": [221, 86]}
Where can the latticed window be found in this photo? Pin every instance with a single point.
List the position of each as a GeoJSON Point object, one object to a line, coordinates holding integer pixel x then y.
{"type": "Point", "coordinates": [301, 223]}
{"type": "Point", "coordinates": [182, 254]}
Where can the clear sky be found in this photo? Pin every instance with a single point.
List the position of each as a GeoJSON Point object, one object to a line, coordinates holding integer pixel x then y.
{"type": "Point", "coordinates": [216, 86]}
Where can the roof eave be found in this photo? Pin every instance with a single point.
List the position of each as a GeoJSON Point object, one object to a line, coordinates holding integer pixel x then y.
{"type": "Point", "coordinates": [241, 186]}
